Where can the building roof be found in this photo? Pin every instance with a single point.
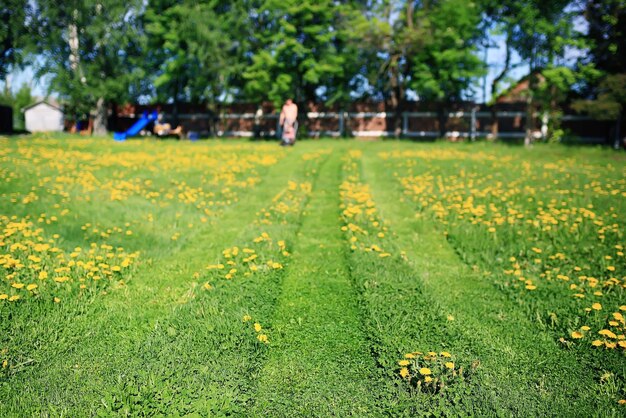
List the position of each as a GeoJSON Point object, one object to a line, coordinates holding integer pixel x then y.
{"type": "Point", "coordinates": [50, 102]}
{"type": "Point", "coordinates": [517, 91]}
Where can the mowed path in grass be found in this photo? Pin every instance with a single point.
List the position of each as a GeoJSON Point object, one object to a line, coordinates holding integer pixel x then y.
{"type": "Point", "coordinates": [337, 320]}
{"type": "Point", "coordinates": [319, 362]}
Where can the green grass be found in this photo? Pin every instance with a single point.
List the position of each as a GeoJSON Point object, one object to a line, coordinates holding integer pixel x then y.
{"type": "Point", "coordinates": [162, 257]}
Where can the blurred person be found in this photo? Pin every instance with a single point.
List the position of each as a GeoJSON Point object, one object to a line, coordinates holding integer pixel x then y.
{"type": "Point", "coordinates": [288, 122]}
{"type": "Point", "coordinates": [258, 120]}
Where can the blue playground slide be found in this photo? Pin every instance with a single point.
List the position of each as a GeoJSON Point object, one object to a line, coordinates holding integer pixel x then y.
{"type": "Point", "coordinates": [144, 120]}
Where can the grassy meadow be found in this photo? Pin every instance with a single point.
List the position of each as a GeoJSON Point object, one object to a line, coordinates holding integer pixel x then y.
{"type": "Point", "coordinates": [334, 278]}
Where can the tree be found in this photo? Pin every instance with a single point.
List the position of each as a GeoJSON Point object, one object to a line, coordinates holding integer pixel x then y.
{"type": "Point", "coordinates": [195, 49]}
{"type": "Point", "coordinates": [606, 92]}
{"type": "Point", "coordinates": [428, 47]}
{"type": "Point", "coordinates": [15, 35]}
{"type": "Point", "coordinates": [540, 32]}
{"type": "Point", "coordinates": [609, 104]}
{"type": "Point", "coordinates": [606, 35]}
{"type": "Point", "coordinates": [444, 64]}
{"type": "Point", "coordinates": [92, 49]}
{"type": "Point", "coordinates": [300, 46]}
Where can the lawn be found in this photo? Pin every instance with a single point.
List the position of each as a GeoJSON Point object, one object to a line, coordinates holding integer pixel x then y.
{"type": "Point", "coordinates": [336, 277]}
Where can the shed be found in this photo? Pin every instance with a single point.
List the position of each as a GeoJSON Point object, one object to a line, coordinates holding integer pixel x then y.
{"type": "Point", "coordinates": [43, 117]}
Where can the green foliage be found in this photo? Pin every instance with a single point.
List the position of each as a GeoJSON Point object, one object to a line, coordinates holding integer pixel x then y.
{"type": "Point", "coordinates": [555, 86]}
{"type": "Point", "coordinates": [445, 63]}
{"type": "Point", "coordinates": [611, 99]}
{"type": "Point", "coordinates": [16, 19]}
{"type": "Point", "coordinates": [106, 60]}
{"type": "Point", "coordinates": [299, 46]}
{"type": "Point", "coordinates": [195, 50]}
{"type": "Point", "coordinates": [606, 35]}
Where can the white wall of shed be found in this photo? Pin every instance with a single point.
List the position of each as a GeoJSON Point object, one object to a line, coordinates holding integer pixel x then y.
{"type": "Point", "coordinates": [43, 118]}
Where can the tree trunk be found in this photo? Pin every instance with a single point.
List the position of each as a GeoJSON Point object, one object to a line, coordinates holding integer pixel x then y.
{"type": "Point", "coordinates": [494, 121]}
{"type": "Point", "coordinates": [397, 98]}
{"type": "Point", "coordinates": [7, 85]}
{"type": "Point", "coordinates": [100, 119]}
{"type": "Point", "coordinates": [494, 88]}
{"type": "Point", "coordinates": [530, 125]}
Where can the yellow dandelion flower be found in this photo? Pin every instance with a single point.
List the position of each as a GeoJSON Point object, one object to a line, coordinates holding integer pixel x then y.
{"type": "Point", "coordinates": [4, 296]}
{"type": "Point", "coordinates": [404, 372]}
{"type": "Point", "coordinates": [446, 354]}
{"type": "Point", "coordinates": [585, 328]}
{"type": "Point", "coordinates": [531, 287]}
{"type": "Point", "coordinates": [450, 365]}
{"type": "Point", "coordinates": [404, 362]}
{"type": "Point", "coordinates": [425, 371]}
{"type": "Point", "coordinates": [597, 343]}
{"type": "Point", "coordinates": [57, 300]}
{"type": "Point", "coordinates": [409, 355]}
{"type": "Point", "coordinates": [596, 306]}
{"type": "Point", "coordinates": [262, 338]}
{"type": "Point", "coordinates": [31, 287]}
{"type": "Point", "coordinates": [14, 298]}
{"type": "Point", "coordinates": [622, 402]}
{"type": "Point", "coordinates": [17, 285]}
{"type": "Point", "coordinates": [428, 379]}
{"type": "Point", "coordinates": [257, 327]}
{"type": "Point", "coordinates": [577, 335]}
{"type": "Point", "coordinates": [246, 318]}
{"type": "Point", "coordinates": [607, 333]}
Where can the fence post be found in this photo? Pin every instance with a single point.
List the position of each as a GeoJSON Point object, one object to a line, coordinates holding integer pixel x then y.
{"type": "Point", "coordinates": [341, 123]}
{"type": "Point", "coordinates": [405, 123]}
{"type": "Point", "coordinates": [473, 125]}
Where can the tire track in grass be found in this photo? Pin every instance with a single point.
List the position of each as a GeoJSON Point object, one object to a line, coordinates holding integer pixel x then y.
{"type": "Point", "coordinates": [318, 363]}
{"type": "Point", "coordinates": [207, 351]}
{"type": "Point", "coordinates": [521, 371]}
{"type": "Point", "coordinates": [84, 349]}
{"type": "Point", "coordinates": [398, 317]}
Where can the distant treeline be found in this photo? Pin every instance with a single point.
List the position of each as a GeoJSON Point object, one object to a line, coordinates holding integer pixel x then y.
{"type": "Point", "coordinates": [97, 53]}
